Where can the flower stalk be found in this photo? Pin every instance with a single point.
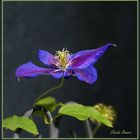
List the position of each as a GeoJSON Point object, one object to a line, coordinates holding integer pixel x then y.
{"type": "Point", "coordinates": [48, 91]}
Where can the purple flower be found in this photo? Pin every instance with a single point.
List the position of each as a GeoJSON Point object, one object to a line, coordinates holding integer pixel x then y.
{"type": "Point", "coordinates": [64, 64]}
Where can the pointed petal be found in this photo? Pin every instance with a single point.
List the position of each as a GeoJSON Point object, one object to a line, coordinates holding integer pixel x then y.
{"type": "Point", "coordinates": [46, 58]}
{"type": "Point", "coordinates": [31, 70]}
{"type": "Point", "coordinates": [89, 74]}
{"type": "Point", "coordinates": [83, 59]}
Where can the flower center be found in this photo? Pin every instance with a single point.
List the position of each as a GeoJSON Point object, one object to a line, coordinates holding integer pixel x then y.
{"type": "Point", "coordinates": [62, 57]}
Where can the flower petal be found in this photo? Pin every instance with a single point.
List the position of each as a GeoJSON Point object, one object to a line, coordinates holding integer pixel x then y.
{"type": "Point", "coordinates": [89, 74]}
{"type": "Point", "coordinates": [68, 73]}
{"type": "Point", "coordinates": [46, 58]}
{"type": "Point", "coordinates": [83, 59]}
{"type": "Point", "coordinates": [56, 73]}
{"type": "Point", "coordinates": [31, 70]}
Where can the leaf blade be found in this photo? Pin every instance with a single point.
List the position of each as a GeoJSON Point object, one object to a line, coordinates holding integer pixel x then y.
{"type": "Point", "coordinates": [49, 103]}
{"type": "Point", "coordinates": [83, 113]}
{"type": "Point", "coordinates": [24, 123]}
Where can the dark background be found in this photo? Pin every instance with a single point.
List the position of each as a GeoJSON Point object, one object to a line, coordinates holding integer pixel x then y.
{"type": "Point", "coordinates": [30, 26]}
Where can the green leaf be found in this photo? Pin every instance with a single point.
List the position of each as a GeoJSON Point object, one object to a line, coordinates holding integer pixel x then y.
{"type": "Point", "coordinates": [83, 113]}
{"type": "Point", "coordinates": [100, 118]}
{"type": "Point", "coordinates": [49, 103]}
{"type": "Point", "coordinates": [46, 101]}
{"type": "Point", "coordinates": [15, 122]}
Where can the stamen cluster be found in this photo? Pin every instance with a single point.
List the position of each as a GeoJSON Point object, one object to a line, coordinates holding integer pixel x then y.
{"type": "Point", "coordinates": [63, 58]}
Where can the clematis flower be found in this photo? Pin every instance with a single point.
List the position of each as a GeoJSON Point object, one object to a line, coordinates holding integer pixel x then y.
{"type": "Point", "coordinates": [64, 64]}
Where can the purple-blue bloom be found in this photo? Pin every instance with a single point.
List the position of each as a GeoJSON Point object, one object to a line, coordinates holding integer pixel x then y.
{"type": "Point", "coordinates": [64, 64]}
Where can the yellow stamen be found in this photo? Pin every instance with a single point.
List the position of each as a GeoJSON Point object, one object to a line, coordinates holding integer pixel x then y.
{"type": "Point", "coordinates": [62, 57]}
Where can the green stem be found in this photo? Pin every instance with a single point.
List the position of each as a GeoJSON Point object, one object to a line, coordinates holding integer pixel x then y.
{"type": "Point", "coordinates": [88, 128]}
{"type": "Point", "coordinates": [96, 129]}
{"type": "Point", "coordinates": [48, 91]}
{"type": "Point", "coordinates": [53, 131]}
